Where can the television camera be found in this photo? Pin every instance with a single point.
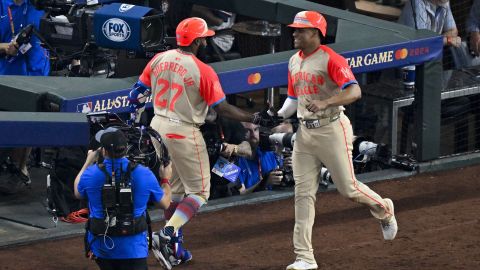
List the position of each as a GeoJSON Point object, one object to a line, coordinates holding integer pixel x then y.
{"type": "Point", "coordinates": [280, 142]}
{"type": "Point", "coordinates": [366, 155]}
{"type": "Point", "coordinates": [145, 145]}
{"type": "Point", "coordinates": [214, 146]}
{"type": "Point", "coordinates": [86, 38]}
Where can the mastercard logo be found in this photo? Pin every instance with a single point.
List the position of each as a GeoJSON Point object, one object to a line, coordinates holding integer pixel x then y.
{"type": "Point", "coordinates": [401, 54]}
{"type": "Point", "coordinates": [254, 78]}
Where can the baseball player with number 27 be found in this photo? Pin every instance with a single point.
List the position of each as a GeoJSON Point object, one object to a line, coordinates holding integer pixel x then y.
{"type": "Point", "coordinates": [319, 83]}
{"type": "Point", "coordinates": [183, 88]}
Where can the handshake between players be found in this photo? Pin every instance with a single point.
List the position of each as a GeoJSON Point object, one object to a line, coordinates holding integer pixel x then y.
{"type": "Point", "coordinates": [139, 95]}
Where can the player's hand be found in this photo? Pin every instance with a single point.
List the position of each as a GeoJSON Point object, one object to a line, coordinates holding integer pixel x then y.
{"type": "Point", "coordinates": [137, 98]}
{"type": "Point", "coordinates": [267, 117]}
{"type": "Point", "coordinates": [263, 119]}
{"type": "Point", "coordinates": [316, 105]}
{"type": "Point", "coordinates": [475, 43]}
{"type": "Point", "coordinates": [272, 112]}
{"type": "Point", "coordinates": [275, 177]}
{"type": "Point", "coordinates": [165, 172]}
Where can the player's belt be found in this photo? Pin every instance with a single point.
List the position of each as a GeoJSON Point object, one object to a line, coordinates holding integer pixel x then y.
{"type": "Point", "coordinates": [316, 123]}
{"type": "Point", "coordinates": [180, 122]}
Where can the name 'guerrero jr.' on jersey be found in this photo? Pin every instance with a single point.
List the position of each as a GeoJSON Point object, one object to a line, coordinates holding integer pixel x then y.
{"type": "Point", "coordinates": [182, 86]}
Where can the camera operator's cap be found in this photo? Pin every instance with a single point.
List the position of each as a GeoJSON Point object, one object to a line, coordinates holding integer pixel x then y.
{"type": "Point", "coordinates": [190, 29]}
{"type": "Point", "coordinates": [310, 19]}
{"type": "Point", "coordinates": [112, 139]}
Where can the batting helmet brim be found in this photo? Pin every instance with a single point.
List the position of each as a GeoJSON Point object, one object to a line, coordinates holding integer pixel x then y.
{"type": "Point", "coordinates": [300, 25]}
{"type": "Point", "coordinates": [209, 33]}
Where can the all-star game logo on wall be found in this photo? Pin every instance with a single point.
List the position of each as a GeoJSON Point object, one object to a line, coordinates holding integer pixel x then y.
{"type": "Point", "coordinates": [84, 107]}
{"type": "Point", "coordinates": [370, 59]}
{"type": "Point", "coordinates": [106, 104]}
{"type": "Point", "coordinates": [384, 57]}
{"type": "Point", "coordinates": [116, 30]}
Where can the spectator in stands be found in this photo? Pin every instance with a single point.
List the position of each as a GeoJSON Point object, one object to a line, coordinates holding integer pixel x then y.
{"type": "Point", "coordinates": [434, 15]}
{"type": "Point", "coordinates": [473, 27]}
{"type": "Point", "coordinates": [261, 165]}
{"type": "Point", "coordinates": [19, 59]}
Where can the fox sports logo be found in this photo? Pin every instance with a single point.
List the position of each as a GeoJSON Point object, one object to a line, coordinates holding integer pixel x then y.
{"type": "Point", "coordinates": [116, 30]}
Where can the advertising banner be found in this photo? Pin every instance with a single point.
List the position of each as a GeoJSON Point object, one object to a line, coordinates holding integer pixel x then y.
{"type": "Point", "coordinates": [273, 75]}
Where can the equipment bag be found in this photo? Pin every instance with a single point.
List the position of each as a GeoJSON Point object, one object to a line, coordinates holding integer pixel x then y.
{"type": "Point", "coordinates": [61, 200]}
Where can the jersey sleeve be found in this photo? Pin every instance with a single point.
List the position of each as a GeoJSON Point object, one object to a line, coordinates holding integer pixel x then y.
{"type": "Point", "coordinates": [340, 72]}
{"type": "Point", "coordinates": [210, 87]}
{"type": "Point", "coordinates": [145, 78]}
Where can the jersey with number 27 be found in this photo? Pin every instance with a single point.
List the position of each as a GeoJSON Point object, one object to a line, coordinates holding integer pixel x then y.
{"type": "Point", "coordinates": [182, 86]}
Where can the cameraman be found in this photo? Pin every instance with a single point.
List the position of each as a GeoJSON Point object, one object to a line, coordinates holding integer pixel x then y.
{"type": "Point", "coordinates": [15, 15]}
{"type": "Point", "coordinates": [261, 165]}
{"type": "Point", "coordinates": [223, 137]}
{"type": "Point", "coordinates": [126, 251]}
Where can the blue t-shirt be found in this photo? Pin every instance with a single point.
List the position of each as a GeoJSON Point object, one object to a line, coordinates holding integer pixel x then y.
{"type": "Point", "coordinates": [437, 18]}
{"type": "Point", "coordinates": [35, 62]}
{"type": "Point", "coordinates": [144, 186]}
{"type": "Point", "coordinates": [249, 171]}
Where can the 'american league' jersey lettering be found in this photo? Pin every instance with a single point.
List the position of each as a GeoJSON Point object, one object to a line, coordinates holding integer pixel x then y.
{"type": "Point", "coordinates": [182, 86]}
{"type": "Point", "coordinates": [317, 76]}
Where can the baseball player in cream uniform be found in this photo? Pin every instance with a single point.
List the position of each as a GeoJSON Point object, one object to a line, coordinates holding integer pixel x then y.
{"type": "Point", "coordinates": [183, 87]}
{"type": "Point", "coordinates": [319, 83]}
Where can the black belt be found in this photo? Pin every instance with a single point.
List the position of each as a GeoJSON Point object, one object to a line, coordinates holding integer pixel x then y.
{"type": "Point", "coordinates": [316, 123]}
{"type": "Point", "coordinates": [123, 226]}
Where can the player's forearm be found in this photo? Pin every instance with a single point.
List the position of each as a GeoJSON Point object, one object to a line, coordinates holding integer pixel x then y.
{"type": "Point", "coordinates": [346, 96]}
{"type": "Point", "coordinates": [289, 108]}
{"type": "Point", "coordinates": [226, 110]}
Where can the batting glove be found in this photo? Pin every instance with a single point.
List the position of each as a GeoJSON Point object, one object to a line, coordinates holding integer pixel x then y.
{"type": "Point", "coordinates": [264, 119]}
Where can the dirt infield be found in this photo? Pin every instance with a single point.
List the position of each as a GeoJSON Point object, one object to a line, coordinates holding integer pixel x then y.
{"type": "Point", "coordinates": [438, 215]}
